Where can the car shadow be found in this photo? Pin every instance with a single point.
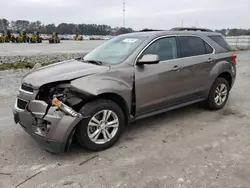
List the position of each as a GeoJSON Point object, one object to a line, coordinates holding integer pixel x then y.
{"type": "Point", "coordinates": [134, 130]}
{"type": "Point", "coordinates": [142, 125]}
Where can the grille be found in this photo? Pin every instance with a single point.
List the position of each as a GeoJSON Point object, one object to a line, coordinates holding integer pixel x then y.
{"type": "Point", "coordinates": [27, 88]}
{"type": "Point", "coordinates": [21, 104]}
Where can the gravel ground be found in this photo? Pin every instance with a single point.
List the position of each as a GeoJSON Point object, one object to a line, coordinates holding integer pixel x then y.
{"type": "Point", "coordinates": [40, 58]}
{"type": "Point", "coordinates": [45, 52]}
{"type": "Point", "coordinates": [27, 49]}
{"type": "Point", "coordinates": [186, 148]}
{"type": "Point", "coordinates": [10, 82]}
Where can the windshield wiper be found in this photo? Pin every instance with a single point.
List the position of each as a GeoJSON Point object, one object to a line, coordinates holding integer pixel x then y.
{"type": "Point", "coordinates": [89, 61]}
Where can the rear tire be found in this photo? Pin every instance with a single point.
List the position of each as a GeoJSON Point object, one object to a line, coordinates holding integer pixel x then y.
{"type": "Point", "coordinates": [218, 94]}
{"type": "Point", "coordinates": [98, 133]}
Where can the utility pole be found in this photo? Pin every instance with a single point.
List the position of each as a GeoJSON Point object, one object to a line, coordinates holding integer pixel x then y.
{"type": "Point", "coordinates": [124, 7]}
{"type": "Point", "coordinates": [181, 22]}
{"type": "Point", "coordinates": [196, 23]}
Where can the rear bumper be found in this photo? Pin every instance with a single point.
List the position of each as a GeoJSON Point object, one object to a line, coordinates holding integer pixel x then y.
{"type": "Point", "coordinates": [60, 125]}
{"type": "Point", "coordinates": [233, 74]}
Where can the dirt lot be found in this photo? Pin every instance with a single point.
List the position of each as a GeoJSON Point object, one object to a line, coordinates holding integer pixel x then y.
{"type": "Point", "coordinates": [187, 148]}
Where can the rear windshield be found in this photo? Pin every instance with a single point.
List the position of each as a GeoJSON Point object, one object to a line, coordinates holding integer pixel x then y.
{"type": "Point", "coordinates": [221, 41]}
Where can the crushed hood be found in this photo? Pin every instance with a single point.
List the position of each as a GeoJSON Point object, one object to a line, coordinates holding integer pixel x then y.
{"type": "Point", "coordinates": [62, 71]}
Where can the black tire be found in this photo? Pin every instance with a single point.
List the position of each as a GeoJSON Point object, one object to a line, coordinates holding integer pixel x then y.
{"type": "Point", "coordinates": [211, 103]}
{"type": "Point", "coordinates": [90, 109]}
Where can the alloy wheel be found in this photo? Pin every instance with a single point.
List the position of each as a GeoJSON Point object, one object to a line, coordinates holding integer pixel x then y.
{"type": "Point", "coordinates": [220, 94]}
{"type": "Point", "coordinates": [103, 126]}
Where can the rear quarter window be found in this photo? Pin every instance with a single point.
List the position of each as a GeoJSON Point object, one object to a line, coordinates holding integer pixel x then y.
{"type": "Point", "coordinates": [221, 41]}
{"type": "Point", "coordinates": [209, 49]}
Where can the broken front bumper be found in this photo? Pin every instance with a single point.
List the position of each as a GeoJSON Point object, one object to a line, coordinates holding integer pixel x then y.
{"type": "Point", "coordinates": [51, 131]}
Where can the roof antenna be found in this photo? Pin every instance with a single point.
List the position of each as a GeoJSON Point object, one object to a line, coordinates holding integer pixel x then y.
{"type": "Point", "coordinates": [124, 7]}
{"type": "Point", "coordinates": [196, 23]}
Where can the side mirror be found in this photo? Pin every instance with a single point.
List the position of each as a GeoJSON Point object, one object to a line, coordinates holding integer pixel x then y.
{"type": "Point", "coordinates": [148, 59]}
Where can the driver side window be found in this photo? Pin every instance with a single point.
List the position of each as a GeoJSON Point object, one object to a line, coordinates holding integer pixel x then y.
{"type": "Point", "coordinates": [165, 48]}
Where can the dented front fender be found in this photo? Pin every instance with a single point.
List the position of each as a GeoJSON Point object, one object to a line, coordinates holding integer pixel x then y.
{"type": "Point", "coordinates": [120, 83]}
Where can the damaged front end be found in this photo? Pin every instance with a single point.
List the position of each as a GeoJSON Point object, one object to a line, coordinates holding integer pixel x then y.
{"type": "Point", "coordinates": [48, 114]}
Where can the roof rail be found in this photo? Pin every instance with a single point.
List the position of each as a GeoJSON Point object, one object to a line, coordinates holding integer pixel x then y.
{"type": "Point", "coordinates": [144, 30]}
{"type": "Point", "coordinates": [190, 29]}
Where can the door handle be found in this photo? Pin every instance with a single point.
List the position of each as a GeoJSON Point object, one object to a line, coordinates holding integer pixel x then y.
{"type": "Point", "coordinates": [176, 68]}
{"type": "Point", "coordinates": [210, 60]}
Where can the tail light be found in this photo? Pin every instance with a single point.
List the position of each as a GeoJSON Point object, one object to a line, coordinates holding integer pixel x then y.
{"type": "Point", "coordinates": [234, 57]}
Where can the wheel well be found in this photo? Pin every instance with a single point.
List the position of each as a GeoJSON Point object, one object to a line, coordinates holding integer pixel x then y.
{"type": "Point", "coordinates": [226, 76]}
{"type": "Point", "coordinates": [110, 96]}
{"type": "Point", "coordinates": [119, 101]}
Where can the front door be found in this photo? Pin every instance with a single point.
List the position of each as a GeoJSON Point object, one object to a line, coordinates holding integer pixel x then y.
{"type": "Point", "coordinates": [157, 85]}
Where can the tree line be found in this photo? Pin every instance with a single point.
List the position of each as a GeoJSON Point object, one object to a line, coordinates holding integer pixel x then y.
{"type": "Point", "coordinates": [234, 32]}
{"type": "Point", "coordinates": [85, 29]}
{"type": "Point", "coordinates": [63, 28]}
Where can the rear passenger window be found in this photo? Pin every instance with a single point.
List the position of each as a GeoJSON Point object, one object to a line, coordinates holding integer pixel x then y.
{"type": "Point", "coordinates": [209, 49]}
{"type": "Point", "coordinates": [192, 46]}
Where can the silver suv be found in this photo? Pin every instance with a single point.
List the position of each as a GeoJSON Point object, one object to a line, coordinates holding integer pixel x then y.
{"type": "Point", "coordinates": [127, 78]}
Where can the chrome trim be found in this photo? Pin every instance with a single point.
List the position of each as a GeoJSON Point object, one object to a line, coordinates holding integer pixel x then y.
{"type": "Point", "coordinates": [25, 91]}
{"type": "Point", "coordinates": [166, 36]}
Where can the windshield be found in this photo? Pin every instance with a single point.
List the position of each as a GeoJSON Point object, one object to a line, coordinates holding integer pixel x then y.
{"type": "Point", "coordinates": [115, 50]}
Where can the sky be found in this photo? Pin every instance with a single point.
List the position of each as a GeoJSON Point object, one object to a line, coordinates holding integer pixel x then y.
{"type": "Point", "coordinates": [156, 14]}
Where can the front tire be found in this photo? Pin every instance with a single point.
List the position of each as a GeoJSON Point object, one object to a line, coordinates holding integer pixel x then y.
{"type": "Point", "coordinates": [219, 94]}
{"type": "Point", "coordinates": [104, 127]}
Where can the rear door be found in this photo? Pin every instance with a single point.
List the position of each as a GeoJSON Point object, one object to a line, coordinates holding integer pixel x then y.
{"type": "Point", "coordinates": [197, 62]}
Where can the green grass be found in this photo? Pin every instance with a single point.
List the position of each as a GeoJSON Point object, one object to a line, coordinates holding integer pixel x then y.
{"type": "Point", "coordinates": [20, 65]}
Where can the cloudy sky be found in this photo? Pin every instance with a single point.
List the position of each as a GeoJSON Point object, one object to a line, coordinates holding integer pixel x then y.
{"type": "Point", "coordinates": [158, 14]}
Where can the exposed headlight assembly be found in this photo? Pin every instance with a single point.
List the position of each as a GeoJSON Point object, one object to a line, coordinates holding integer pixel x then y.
{"type": "Point", "coordinates": [63, 107]}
